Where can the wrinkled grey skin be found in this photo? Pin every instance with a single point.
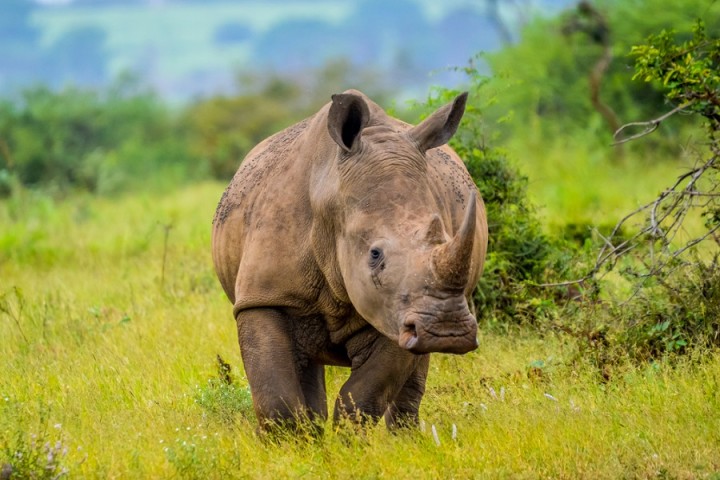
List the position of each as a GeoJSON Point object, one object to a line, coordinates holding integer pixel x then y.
{"type": "Point", "coordinates": [350, 239]}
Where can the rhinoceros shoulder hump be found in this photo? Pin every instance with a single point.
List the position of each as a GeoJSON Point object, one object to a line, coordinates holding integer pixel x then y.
{"type": "Point", "coordinates": [263, 162]}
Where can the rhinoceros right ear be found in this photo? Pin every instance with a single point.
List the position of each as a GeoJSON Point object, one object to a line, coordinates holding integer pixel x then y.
{"type": "Point", "coordinates": [348, 115]}
{"type": "Point", "coordinates": [438, 128]}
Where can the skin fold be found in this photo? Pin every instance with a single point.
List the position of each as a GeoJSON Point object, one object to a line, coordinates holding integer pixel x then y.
{"type": "Point", "coordinates": [351, 239]}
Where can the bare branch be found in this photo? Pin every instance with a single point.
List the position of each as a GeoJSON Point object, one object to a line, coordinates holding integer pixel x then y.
{"type": "Point", "coordinates": [662, 221]}
{"type": "Point", "coordinates": [650, 126]}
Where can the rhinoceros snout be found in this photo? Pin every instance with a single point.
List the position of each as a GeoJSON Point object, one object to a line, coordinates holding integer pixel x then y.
{"type": "Point", "coordinates": [425, 334]}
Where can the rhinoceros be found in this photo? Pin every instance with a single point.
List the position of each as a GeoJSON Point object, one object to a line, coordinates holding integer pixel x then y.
{"type": "Point", "coordinates": [352, 239]}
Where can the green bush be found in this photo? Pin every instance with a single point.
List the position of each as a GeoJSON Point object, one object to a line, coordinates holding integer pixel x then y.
{"type": "Point", "coordinates": [222, 130]}
{"type": "Point", "coordinates": [96, 141]}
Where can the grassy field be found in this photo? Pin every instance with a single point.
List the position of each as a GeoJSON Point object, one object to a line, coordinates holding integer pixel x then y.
{"type": "Point", "coordinates": [112, 321]}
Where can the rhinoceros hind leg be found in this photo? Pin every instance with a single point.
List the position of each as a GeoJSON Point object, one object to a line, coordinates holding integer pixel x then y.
{"type": "Point", "coordinates": [271, 367]}
{"type": "Point", "coordinates": [404, 410]}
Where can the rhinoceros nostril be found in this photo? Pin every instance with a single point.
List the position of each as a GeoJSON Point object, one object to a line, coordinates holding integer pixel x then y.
{"type": "Point", "coordinates": [408, 335]}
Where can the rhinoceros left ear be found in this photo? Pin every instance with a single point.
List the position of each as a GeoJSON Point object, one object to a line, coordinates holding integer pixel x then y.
{"type": "Point", "coordinates": [347, 117]}
{"type": "Point", "coordinates": [438, 128]}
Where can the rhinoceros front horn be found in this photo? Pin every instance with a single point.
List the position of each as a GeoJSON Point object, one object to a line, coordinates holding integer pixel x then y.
{"type": "Point", "coordinates": [451, 261]}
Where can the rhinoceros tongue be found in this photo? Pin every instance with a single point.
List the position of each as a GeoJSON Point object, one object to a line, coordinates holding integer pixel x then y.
{"type": "Point", "coordinates": [451, 261]}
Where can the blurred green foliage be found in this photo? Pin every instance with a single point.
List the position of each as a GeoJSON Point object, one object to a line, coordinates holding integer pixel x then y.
{"type": "Point", "coordinates": [222, 129]}
{"type": "Point", "coordinates": [102, 142]}
{"type": "Point", "coordinates": [125, 137]}
{"type": "Point", "coordinates": [549, 72]}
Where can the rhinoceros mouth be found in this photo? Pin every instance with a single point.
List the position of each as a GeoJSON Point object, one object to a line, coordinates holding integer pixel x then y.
{"type": "Point", "coordinates": [426, 334]}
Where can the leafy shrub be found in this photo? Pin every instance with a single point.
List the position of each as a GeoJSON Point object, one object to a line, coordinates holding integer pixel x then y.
{"type": "Point", "coordinates": [222, 397]}
{"type": "Point", "coordinates": [677, 315]}
{"type": "Point", "coordinates": [223, 129]}
{"type": "Point", "coordinates": [224, 400]}
{"type": "Point", "coordinates": [96, 141]}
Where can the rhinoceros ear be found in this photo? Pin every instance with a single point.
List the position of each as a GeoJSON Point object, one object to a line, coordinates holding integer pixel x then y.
{"type": "Point", "coordinates": [438, 128]}
{"type": "Point", "coordinates": [348, 115]}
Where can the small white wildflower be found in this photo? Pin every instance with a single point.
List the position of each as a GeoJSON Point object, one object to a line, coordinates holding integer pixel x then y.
{"type": "Point", "coordinates": [58, 426]}
{"type": "Point", "coordinates": [502, 394]}
{"type": "Point", "coordinates": [492, 393]}
{"type": "Point", "coordinates": [454, 432]}
{"type": "Point", "coordinates": [188, 429]}
{"type": "Point", "coordinates": [550, 397]}
{"type": "Point", "coordinates": [177, 429]}
{"type": "Point", "coordinates": [435, 435]}
{"type": "Point", "coordinates": [483, 406]}
{"type": "Point", "coordinates": [162, 441]}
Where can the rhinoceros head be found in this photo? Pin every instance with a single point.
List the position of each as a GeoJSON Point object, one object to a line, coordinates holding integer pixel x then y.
{"type": "Point", "coordinates": [404, 269]}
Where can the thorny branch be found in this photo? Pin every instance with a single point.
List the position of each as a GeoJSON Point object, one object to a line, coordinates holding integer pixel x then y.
{"type": "Point", "coordinates": [664, 216]}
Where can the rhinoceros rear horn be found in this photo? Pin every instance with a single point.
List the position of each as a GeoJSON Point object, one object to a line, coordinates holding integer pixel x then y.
{"type": "Point", "coordinates": [451, 261]}
{"type": "Point", "coordinates": [347, 117]}
{"type": "Point", "coordinates": [438, 128]}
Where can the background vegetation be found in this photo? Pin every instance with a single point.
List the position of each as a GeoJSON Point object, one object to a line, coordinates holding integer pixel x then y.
{"type": "Point", "coordinates": [117, 344]}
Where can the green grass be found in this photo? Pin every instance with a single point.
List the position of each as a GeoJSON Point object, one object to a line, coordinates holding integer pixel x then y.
{"type": "Point", "coordinates": [573, 182]}
{"type": "Point", "coordinates": [110, 350]}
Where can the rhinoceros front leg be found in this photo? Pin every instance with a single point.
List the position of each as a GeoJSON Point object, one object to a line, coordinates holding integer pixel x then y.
{"type": "Point", "coordinates": [380, 370]}
{"type": "Point", "coordinates": [283, 391]}
{"type": "Point", "coordinates": [404, 410]}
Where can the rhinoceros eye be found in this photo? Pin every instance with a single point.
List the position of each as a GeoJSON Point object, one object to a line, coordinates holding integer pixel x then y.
{"type": "Point", "coordinates": [376, 258]}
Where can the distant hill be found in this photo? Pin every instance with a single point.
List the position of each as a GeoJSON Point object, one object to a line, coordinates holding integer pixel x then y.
{"type": "Point", "coordinates": [189, 47]}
